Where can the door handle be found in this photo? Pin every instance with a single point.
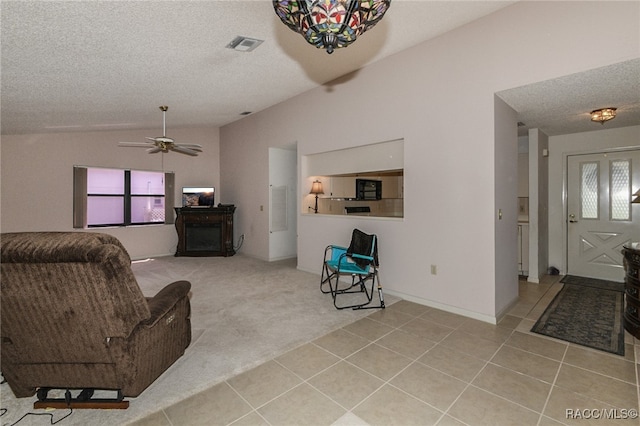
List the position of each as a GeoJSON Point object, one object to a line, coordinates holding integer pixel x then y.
{"type": "Point", "coordinates": [572, 218]}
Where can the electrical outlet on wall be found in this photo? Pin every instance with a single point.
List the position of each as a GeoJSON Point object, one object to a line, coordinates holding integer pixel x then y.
{"type": "Point", "coordinates": [434, 269]}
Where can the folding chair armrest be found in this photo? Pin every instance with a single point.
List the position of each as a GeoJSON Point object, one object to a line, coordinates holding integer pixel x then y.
{"type": "Point", "coordinates": [354, 259]}
{"type": "Point", "coordinates": [332, 248]}
{"type": "Point", "coordinates": [361, 256]}
{"type": "Point", "coordinates": [348, 259]}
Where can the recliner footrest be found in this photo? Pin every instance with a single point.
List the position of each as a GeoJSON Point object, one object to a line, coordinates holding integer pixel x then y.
{"type": "Point", "coordinates": [83, 400]}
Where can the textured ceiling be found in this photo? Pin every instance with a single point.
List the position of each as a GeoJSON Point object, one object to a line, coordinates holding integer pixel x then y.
{"type": "Point", "coordinates": [108, 65]}
{"type": "Point", "coordinates": [563, 105]}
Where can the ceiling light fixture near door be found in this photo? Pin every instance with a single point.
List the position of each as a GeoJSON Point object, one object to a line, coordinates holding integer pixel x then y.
{"type": "Point", "coordinates": [603, 114]}
{"type": "Point", "coordinates": [330, 24]}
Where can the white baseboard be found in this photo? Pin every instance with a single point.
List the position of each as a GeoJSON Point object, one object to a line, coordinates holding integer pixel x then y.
{"type": "Point", "coordinates": [432, 304]}
{"type": "Point", "coordinates": [443, 307]}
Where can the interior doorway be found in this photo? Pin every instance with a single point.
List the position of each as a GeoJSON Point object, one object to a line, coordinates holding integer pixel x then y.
{"type": "Point", "coordinates": [600, 218]}
{"type": "Point", "coordinates": [283, 184]}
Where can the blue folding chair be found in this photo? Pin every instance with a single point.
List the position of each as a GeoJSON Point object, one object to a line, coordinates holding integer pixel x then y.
{"type": "Point", "coordinates": [360, 261]}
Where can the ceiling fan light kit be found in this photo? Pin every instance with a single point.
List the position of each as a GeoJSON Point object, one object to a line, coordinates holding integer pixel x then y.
{"type": "Point", "coordinates": [163, 143]}
{"type": "Point", "coordinates": [330, 24]}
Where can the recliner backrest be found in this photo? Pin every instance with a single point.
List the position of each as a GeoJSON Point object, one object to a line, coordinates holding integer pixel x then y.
{"type": "Point", "coordinates": [65, 295]}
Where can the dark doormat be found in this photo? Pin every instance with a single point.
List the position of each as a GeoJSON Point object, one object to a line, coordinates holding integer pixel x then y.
{"type": "Point", "coordinates": [588, 314]}
{"type": "Point", "coordinates": [593, 282]}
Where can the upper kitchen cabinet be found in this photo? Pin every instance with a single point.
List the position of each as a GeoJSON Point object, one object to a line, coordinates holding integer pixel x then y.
{"type": "Point", "coordinates": [392, 186]}
{"type": "Point", "coordinates": [343, 187]}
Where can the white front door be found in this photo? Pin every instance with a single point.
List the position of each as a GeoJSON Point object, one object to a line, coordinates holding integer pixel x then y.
{"type": "Point", "coordinates": [600, 217]}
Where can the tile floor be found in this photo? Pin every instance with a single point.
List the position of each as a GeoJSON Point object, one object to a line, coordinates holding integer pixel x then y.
{"type": "Point", "coordinates": [414, 365]}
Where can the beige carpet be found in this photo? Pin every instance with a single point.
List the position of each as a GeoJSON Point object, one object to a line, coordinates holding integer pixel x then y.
{"type": "Point", "coordinates": [244, 311]}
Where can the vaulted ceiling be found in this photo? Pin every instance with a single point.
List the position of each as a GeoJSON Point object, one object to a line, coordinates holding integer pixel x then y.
{"type": "Point", "coordinates": [109, 65]}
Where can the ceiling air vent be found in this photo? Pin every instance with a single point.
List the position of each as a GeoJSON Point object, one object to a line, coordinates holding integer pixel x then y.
{"type": "Point", "coordinates": [244, 44]}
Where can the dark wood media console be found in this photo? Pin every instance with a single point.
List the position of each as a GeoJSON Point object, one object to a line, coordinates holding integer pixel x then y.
{"type": "Point", "coordinates": [205, 231]}
{"type": "Point", "coordinates": [632, 291]}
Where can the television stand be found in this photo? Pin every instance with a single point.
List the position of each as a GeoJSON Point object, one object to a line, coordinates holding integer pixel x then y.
{"type": "Point", "coordinates": [205, 231]}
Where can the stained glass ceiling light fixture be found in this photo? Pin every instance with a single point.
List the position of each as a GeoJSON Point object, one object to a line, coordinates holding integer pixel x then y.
{"type": "Point", "coordinates": [330, 24]}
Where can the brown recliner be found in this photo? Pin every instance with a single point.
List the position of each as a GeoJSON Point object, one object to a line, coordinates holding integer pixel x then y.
{"type": "Point", "coordinates": [74, 317]}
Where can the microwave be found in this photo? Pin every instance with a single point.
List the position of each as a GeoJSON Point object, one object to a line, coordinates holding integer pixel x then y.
{"type": "Point", "coordinates": [368, 189]}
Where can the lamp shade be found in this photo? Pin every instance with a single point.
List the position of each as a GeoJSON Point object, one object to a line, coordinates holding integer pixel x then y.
{"type": "Point", "coordinates": [330, 24]}
{"type": "Point", "coordinates": [316, 188]}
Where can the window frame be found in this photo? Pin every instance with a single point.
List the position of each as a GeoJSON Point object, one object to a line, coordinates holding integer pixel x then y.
{"type": "Point", "coordinates": [81, 198]}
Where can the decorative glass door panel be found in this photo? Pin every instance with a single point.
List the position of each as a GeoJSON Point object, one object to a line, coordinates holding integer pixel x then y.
{"type": "Point", "coordinates": [600, 216]}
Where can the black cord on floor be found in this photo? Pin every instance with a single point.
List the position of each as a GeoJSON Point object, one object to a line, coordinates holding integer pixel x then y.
{"type": "Point", "coordinates": [43, 414]}
{"type": "Point", "coordinates": [4, 411]}
{"type": "Point", "coordinates": [240, 241]}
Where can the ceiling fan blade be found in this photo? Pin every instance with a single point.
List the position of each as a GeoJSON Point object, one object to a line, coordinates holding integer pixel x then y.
{"type": "Point", "coordinates": [164, 143]}
{"type": "Point", "coordinates": [135, 144]}
{"type": "Point", "coordinates": [193, 146]}
{"type": "Point", "coordinates": [184, 150]}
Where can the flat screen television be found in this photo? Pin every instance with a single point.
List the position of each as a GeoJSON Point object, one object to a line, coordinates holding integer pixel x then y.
{"type": "Point", "coordinates": [193, 196]}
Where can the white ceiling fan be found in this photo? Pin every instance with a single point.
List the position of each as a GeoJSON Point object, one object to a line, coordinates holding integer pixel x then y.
{"type": "Point", "coordinates": [163, 143]}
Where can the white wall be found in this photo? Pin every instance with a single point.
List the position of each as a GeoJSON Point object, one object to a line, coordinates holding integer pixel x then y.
{"type": "Point", "coordinates": [505, 210]}
{"type": "Point", "coordinates": [244, 173]}
{"type": "Point", "coordinates": [439, 97]}
{"type": "Point", "coordinates": [559, 147]}
{"type": "Point", "coordinates": [37, 179]}
{"type": "Point", "coordinates": [523, 174]}
{"type": "Point", "coordinates": [538, 205]}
